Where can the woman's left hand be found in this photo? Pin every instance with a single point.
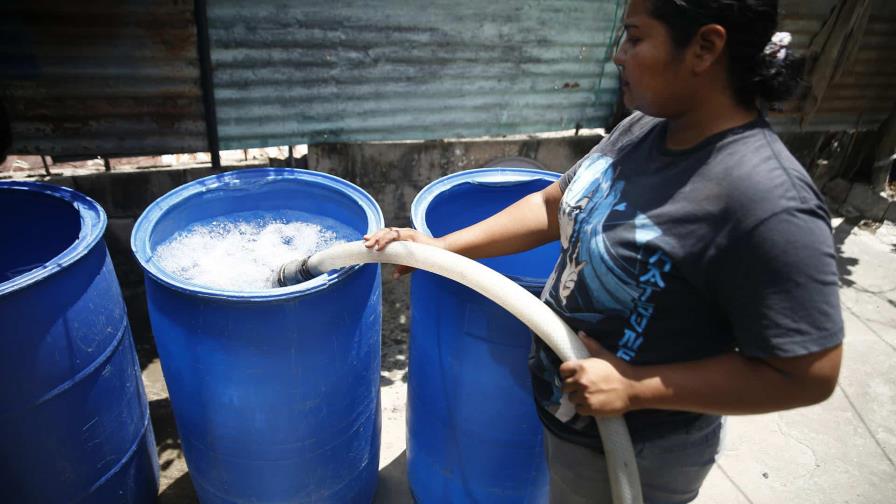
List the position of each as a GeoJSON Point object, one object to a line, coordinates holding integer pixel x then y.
{"type": "Point", "coordinates": [599, 386]}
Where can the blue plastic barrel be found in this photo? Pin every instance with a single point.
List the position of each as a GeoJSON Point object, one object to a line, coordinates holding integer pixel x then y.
{"type": "Point", "coordinates": [73, 413]}
{"type": "Point", "coordinates": [275, 392]}
{"type": "Point", "coordinates": [473, 433]}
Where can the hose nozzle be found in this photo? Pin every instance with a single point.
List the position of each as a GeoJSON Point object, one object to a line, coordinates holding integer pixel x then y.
{"type": "Point", "coordinates": [292, 273]}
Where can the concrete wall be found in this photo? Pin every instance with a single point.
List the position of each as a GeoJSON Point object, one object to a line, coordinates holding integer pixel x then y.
{"type": "Point", "coordinates": [392, 173]}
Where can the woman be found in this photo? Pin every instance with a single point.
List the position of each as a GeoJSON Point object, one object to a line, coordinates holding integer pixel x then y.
{"type": "Point", "coordinates": [697, 258]}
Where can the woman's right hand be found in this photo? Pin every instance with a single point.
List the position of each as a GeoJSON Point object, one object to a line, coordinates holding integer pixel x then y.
{"type": "Point", "coordinates": [379, 239]}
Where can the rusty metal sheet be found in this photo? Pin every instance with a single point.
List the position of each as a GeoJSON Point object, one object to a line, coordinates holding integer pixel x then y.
{"type": "Point", "coordinates": [101, 78]}
{"type": "Point", "coordinates": [862, 97]}
{"type": "Point", "coordinates": [312, 71]}
{"type": "Point", "coordinates": [122, 77]}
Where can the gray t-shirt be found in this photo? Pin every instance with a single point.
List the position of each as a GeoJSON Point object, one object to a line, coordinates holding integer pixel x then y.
{"type": "Point", "coordinates": [670, 256]}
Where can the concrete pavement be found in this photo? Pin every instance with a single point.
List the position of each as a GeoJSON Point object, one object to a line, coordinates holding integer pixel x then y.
{"type": "Point", "coordinates": [841, 451]}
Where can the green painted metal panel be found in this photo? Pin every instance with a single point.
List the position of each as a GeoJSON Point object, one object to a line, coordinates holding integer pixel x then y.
{"type": "Point", "coordinates": [288, 72]}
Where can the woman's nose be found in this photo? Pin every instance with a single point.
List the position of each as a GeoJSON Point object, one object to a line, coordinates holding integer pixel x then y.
{"type": "Point", "coordinates": [618, 56]}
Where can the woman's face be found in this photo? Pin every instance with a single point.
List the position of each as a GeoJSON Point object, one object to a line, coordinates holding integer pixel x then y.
{"type": "Point", "coordinates": [653, 73]}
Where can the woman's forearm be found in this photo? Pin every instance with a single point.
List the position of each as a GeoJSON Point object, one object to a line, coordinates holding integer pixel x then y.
{"type": "Point", "coordinates": [731, 384]}
{"type": "Point", "coordinates": [528, 223]}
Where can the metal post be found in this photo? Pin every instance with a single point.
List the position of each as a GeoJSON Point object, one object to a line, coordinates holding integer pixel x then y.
{"type": "Point", "coordinates": [208, 91]}
{"type": "Point", "coordinates": [46, 166]}
{"type": "Point", "coordinates": [107, 164]}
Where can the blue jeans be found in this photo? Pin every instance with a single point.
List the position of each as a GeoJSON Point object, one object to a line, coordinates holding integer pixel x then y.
{"type": "Point", "coordinates": [672, 468]}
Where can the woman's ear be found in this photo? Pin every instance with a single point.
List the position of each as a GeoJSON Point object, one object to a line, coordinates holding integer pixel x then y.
{"type": "Point", "coordinates": [707, 47]}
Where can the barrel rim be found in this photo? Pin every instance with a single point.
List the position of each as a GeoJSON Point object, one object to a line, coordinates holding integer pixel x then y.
{"type": "Point", "coordinates": [93, 225]}
{"type": "Point", "coordinates": [140, 236]}
{"type": "Point", "coordinates": [492, 176]}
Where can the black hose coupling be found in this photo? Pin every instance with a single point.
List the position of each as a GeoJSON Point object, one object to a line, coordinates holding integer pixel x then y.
{"type": "Point", "coordinates": [292, 273]}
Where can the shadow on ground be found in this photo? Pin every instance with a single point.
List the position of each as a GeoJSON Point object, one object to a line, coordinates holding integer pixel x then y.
{"type": "Point", "coordinates": [179, 492]}
{"type": "Point", "coordinates": [393, 482]}
{"type": "Point", "coordinates": [396, 324]}
{"type": "Point", "coordinates": [171, 463]}
{"type": "Point", "coordinates": [146, 353]}
{"type": "Point", "coordinates": [845, 264]}
{"type": "Point", "coordinates": [165, 429]}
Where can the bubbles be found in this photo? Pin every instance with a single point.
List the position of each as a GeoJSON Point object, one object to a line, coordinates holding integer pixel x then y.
{"type": "Point", "coordinates": [240, 252]}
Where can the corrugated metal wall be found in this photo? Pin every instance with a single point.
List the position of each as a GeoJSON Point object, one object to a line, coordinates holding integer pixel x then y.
{"type": "Point", "coordinates": [294, 72]}
{"type": "Point", "coordinates": [862, 98]}
{"type": "Point", "coordinates": [122, 77]}
{"type": "Point", "coordinates": [107, 77]}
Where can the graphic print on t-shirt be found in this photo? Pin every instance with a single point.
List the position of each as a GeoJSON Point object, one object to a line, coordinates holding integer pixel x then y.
{"type": "Point", "coordinates": [591, 281]}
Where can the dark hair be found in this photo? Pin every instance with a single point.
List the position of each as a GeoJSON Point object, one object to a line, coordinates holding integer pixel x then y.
{"type": "Point", "coordinates": [750, 24]}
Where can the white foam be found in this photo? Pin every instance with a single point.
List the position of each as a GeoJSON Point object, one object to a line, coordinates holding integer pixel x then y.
{"type": "Point", "coordinates": [239, 255]}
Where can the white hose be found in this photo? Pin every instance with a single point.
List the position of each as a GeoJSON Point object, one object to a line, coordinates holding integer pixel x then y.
{"type": "Point", "coordinates": [625, 484]}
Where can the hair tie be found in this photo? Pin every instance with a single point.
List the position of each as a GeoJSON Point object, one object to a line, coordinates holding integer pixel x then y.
{"type": "Point", "coordinates": [777, 46]}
